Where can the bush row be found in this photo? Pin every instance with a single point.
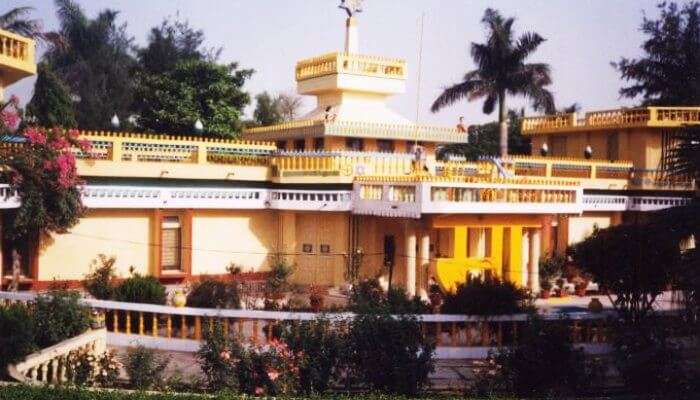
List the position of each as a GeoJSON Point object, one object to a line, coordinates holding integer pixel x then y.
{"type": "Point", "coordinates": [52, 318]}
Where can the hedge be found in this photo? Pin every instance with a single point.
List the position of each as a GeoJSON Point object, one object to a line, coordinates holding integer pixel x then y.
{"type": "Point", "coordinates": [22, 392]}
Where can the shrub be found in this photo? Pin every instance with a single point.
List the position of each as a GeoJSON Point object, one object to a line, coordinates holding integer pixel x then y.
{"type": "Point", "coordinates": [140, 289]}
{"type": "Point", "coordinates": [217, 357]}
{"type": "Point", "coordinates": [88, 369]}
{"type": "Point", "coordinates": [651, 364]}
{"type": "Point", "coordinates": [489, 296]}
{"type": "Point", "coordinates": [99, 282]}
{"type": "Point", "coordinates": [368, 297]}
{"type": "Point", "coordinates": [261, 370]}
{"type": "Point", "coordinates": [543, 363]}
{"type": "Point", "coordinates": [211, 293]}
{"type": "Point", "coordinates": [58, 316]}
{"type": "Point", "coordinates": [320, 349]}
{"type": "Point", "coordinates": [390, 353]}
{"type": "Point", "coordinates": [280, 271]}
{"type": "Point", "coordinates": [17, 335]}
{"type": "Point", "coordinates": [551, 268]}
{"type": "Point", "coordinates": [145, 368]}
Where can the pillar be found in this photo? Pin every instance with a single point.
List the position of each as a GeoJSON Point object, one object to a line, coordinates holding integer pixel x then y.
{"type": "Point", "coordinates": [534, 264]}
{"type": "Point", "coordinates": [477, 242]}
{"type": "Point", "coordinates": [351, 41]}
{"type": "Point", "coordinates": [410, 257]}
{"type": "Point", "coordinates": [515, 249]}
{"type": "Point", "coordinates": [424, 260]}
{"type": "Point", "coordinates": [287, 235]}
{"type": "Point", "coordinates": [525, 276]}
{"type": "Point", "coordinates": [546, 235]}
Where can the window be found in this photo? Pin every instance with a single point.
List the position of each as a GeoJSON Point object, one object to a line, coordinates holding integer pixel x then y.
{"type": "Point", "coordinates": [21, 253]}
{"type": "Point", "coordinates": [410, 145]}
{"type": "Point", "coordinates": [281, 145]}
{"type": "Point", "coordinates": [319, 144]}
{"type": "Point", "coordinates": [299, 145]}
{"type": "Point", "coordinates": [385, 146]}
{"type": "Point", "coordinates": [171, 244]}
{"type": "Point", "coordinates": [307, 248]}
{"type": "Point", "coordinates": [354, 144]}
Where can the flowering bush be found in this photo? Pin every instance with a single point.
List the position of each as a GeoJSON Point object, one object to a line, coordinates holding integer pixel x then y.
{"type": "Point", "coordinates": [9, 116]}
{"type": "Point", "coordinates": [88, 369]}
{"type": "Point", "coordinates": [270, 369]}
{"type": "Point", "coordinates": [44, 174]}
{"type": "Point", "coordinates": [320, 350]}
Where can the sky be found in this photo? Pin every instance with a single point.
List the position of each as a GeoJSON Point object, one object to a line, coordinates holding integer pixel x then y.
{"type": "Point", "coordinates": [270, 36]}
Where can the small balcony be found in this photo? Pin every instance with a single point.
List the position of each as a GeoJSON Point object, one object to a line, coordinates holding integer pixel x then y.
{"type": "Point", "coordinates": [16, 57]}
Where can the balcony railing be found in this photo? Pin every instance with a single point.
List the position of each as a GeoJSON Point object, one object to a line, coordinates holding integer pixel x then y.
{"type": "Point", "coordinates": [656, 179]}
{"type": "Point", "coordinates": [16, 57]}
{"type": "Point", "coordinates": [668, 117]}
{"type": "Point", "coordinates": [340, 165]}
{"type": "Point", "coordinates": [456, 336]}
{"type": "Point", "coordinates": [347, 63]}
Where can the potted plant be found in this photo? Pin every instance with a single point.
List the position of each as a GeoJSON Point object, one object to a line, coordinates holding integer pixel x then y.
{"type": "Point", "coordinates": [561, 291]}
{"type": "Point", "coordinates": [581, 286]}
{"type": "Point", "coordinates": [546, 289]}
{"type": "Point", "coordinates": [316, 297]}
{"type": "Point", "coordinates": [435, 295]}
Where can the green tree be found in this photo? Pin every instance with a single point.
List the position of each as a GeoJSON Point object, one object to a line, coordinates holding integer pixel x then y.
{"type": "Point", "coordinates": [94, 58]}
{"type": "Point", "coordinates": [667, 73]}
{"type": "Point", "coordinates": [15, 21]}
{"type": "Point", "coordinates": [171, 42]}
{"type": "Point", "coordinates": [502, 71]}
{"type": "Point", "coordinates": [195, 89]}
{"type": "Point", "coordinates": [484, 140]}
{"type": "Point", "coordinates": [267, 110]}
{"type": "Point", "coordinates": [51, 105]}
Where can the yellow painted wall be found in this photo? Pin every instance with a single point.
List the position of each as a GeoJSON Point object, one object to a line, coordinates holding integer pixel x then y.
{"type": "Point", "coordinates": [642, 146]}
{"type": "Point", "coordinates": [125, 234]}
{"type": "Point", "coordinates": [581, 227]}
{"type": "Point", "coordinates": [220, 237]}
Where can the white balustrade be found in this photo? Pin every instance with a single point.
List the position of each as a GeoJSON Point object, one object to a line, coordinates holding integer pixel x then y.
{"type": "Point", "coordinates": [50, 365]}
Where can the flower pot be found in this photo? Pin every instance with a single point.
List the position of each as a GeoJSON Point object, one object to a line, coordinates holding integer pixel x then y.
{"type": "Point", "coordinates": [580, 291]}
{"type": "Point", "coordinates": [316, 303]}
{"type": "Point", "coordinates": [545, 294]}
{"type": "Point", "coordinates": [179, 299]}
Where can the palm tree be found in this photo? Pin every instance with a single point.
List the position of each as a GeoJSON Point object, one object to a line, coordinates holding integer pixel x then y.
{"type": "Point", "coordinates": [501, 71]}
{"type": "Point", "coordinates": [15, 21]}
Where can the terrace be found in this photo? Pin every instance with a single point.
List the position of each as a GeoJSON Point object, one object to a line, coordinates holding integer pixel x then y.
{"type": "Point", "coordinates": [653, 117]}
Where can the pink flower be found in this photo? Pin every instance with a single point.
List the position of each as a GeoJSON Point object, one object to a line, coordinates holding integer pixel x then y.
{"type": "Point", "coordinates": [225, 355]}
{"type": "Point", "coordinates": [273, 375]}
{"type": "Point", "coordinates": [35, 136]}
{"type": "Point", "coordinates": [73, 133]}
{"type": "Point", "coordinates": [60, 143]}
{"type": "Point", "coordinates": [10, 120]}
{"type": "Point", "coordinates": [85, 145]}
{"type": "Point", "coordinates": [259, 391]}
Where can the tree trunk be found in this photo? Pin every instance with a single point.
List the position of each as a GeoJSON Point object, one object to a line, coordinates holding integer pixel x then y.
{"type": "Point", "coordinates": [503, 124]}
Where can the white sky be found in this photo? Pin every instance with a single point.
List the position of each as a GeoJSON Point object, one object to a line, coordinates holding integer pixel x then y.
{"type": "Point", "coordinates": [583, 37]}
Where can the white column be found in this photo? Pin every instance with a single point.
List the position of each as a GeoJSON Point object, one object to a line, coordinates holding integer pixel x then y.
{"type": "Point", "coordinates": [424, 260]}
{"type": "Point", "coordinates": [410, 252]}
{"type": "Point", "coordinates": [351, 41]}
{"type": "Point", "coordinates": [525, 278]}
{"type": "Point", "coordinates": [534, 264]}
{"type": "Point", "coordinates": [476, 238]}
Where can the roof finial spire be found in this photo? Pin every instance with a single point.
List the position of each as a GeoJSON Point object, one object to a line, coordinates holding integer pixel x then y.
{"type": "Point", "coordinates": [351, 7]}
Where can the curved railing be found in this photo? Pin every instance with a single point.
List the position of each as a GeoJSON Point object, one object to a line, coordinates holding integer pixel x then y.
{"type": "Point", "coordinates": [457, 335]}
{"type": "Point", "coordinates": [50, 365]}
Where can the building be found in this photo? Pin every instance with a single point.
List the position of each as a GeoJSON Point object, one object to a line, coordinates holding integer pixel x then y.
{"type": "Point", "coordinates": [353, 180]}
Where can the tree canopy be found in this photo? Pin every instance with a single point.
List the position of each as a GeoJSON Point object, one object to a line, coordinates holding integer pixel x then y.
{"type": "Point", "coordinates": [51, 105]}
{"type": "Point", "coordinates": [267, 110]}
{"type": "Point", "coordinates": [197, 89]}
{"type": "Point", "coordinates": [95, 59]}
{"type": "Point", "coordinates": [669, 71]}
